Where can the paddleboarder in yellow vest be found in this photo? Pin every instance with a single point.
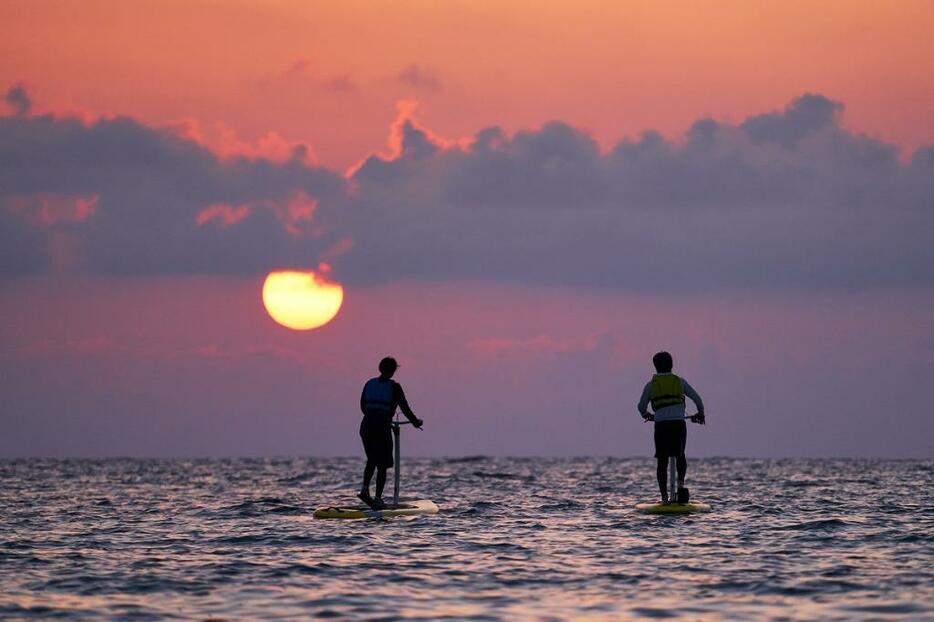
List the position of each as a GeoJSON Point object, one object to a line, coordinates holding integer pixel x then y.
{"type": "Point", "coordinates": [666, 393]}
{"type": "Point", "coordinates": [378, 402]}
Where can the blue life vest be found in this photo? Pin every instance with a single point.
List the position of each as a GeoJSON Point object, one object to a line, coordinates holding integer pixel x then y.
{"type": "Point", "coordinates": [377, 396]}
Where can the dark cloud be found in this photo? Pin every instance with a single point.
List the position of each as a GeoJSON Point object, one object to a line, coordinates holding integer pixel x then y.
{"type": "Point", "coordinates": [787, 199]}
{"type": "Point", "coordinates": [808, 114]}
{"type": "Point", "coordinates": [556, 166]}
{"type": "Point", "coordinates": [150, 186]}
{"type": "Point", "coordinates": [783, 200]}
{"type": "Point", "coordinates": [18, 99]}
{"type": "Point", "coordinates": [23, 245]}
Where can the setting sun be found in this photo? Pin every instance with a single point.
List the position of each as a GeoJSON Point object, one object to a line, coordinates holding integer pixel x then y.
{"type": "Point", "coordinates": [301, 300]}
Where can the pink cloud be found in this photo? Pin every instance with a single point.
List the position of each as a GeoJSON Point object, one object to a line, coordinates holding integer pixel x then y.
{"type": "Point", "coordinates": [53, 209]}
{"type": "Point", "coordinates": [404, 128]}
{"type": "Point", "coordinates": [298, 211]}
{"type": "Point", "coordinates": [336, 250]}
{"type": "Point", "coordinates": [405, 121]}
{"type": "Point", "coordinates": [224, 142]}
{"type": "Point", "coordinates": [226, 215]}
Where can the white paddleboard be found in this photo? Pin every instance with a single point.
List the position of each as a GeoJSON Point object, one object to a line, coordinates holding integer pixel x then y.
{"type": "Point", "coordinates": [406, 507]}
{"type": "Point", "coordinates": [672, 508]}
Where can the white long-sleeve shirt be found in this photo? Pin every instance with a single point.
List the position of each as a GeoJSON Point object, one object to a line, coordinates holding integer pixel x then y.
{"type": "Point", "coordinates": [673, 412]}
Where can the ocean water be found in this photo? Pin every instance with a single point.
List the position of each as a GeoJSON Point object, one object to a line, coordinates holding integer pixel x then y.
{"type": "Point", "coordinates": [516, 539]}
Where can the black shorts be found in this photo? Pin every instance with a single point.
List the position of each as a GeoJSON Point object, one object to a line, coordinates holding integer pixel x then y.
{"type": "Point", "coordinates": [670, 438]}
{"type": "Point", "coordinates": [376, 435]}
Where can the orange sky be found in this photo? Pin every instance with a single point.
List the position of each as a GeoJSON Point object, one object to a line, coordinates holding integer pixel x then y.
{"type": "Point", "coordinates": [329, 73]}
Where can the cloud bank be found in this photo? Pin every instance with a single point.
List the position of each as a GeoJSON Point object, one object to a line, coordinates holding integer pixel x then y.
{"type": "Point", "coordinates": [162, 204]}
{"type": "Point", "coordinates": [785, 199]}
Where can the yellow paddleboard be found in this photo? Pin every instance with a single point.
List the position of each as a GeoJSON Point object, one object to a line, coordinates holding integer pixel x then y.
{"type": "Point", "coordinates": [672, 508]}
{"type": "Point", "coordinates": [405, 508]}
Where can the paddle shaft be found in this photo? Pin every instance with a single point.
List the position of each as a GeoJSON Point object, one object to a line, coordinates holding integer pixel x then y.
{"type": "Point", "coordinates": [398, 454]}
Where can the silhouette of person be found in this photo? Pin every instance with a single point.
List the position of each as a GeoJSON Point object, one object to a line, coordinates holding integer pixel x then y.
{"type": "Point", "coordinates": [379, 400]}
{"type": "Point", "coordinates": [666, 392]}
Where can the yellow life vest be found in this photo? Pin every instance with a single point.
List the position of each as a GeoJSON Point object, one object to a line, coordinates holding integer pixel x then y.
{"type": "Point", "coordinates": [665, 390]}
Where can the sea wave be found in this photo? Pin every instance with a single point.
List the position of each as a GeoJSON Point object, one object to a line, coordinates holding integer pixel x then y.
{"type": "Point", "coordinates": [515, 539]}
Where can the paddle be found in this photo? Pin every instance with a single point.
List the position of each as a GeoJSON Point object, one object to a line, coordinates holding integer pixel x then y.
{"type": "Point", "coordinates": [398, 459]}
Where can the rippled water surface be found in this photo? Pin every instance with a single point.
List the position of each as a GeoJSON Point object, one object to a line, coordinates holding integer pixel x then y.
{"type": "Point", "coordinates": [515, 539]}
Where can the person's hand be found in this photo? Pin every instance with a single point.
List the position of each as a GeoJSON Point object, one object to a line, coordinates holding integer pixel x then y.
{"type": "Point", "coordinates": [648, 417]}
{"type": "Point", "coordinates": [418, 423]}
{"type": "Point", "coordinates": [699, 418]}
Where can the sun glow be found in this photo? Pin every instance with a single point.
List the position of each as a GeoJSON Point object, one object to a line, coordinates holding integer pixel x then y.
{"type": "Point", "coordinates": [301, 300]}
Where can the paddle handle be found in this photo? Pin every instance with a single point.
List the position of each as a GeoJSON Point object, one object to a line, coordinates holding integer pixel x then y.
{"type": "Point", "coordinates": [685, 417]}
{"type": "Point", "coordinates": [398, 423]}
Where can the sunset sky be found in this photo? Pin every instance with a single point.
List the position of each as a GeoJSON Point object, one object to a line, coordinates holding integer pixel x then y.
{"type": "Point", "coordinates": [522, 202]}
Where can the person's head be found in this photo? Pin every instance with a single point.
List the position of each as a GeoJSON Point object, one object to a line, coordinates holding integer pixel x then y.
{"type": "Point", "coordinates": [662, 362]}
{"type": "Point", "coordinates": [388, 366]}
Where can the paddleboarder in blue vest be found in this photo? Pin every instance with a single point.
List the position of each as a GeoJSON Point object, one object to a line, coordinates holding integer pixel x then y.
{"type": "Point", "coordinates": [666, 393]}
{"type": "Point", "coordinates": [379, 400]}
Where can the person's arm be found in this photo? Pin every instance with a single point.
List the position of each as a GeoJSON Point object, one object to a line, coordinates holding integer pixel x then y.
{"type": "Point", "coordinates": [644, 401]}
{"type": "Point", "coordinates": [363, 400]}
{"type": "Point", "coordinates": [691, 393]}
{"type": "Point", "coordinates": [399, 394]}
